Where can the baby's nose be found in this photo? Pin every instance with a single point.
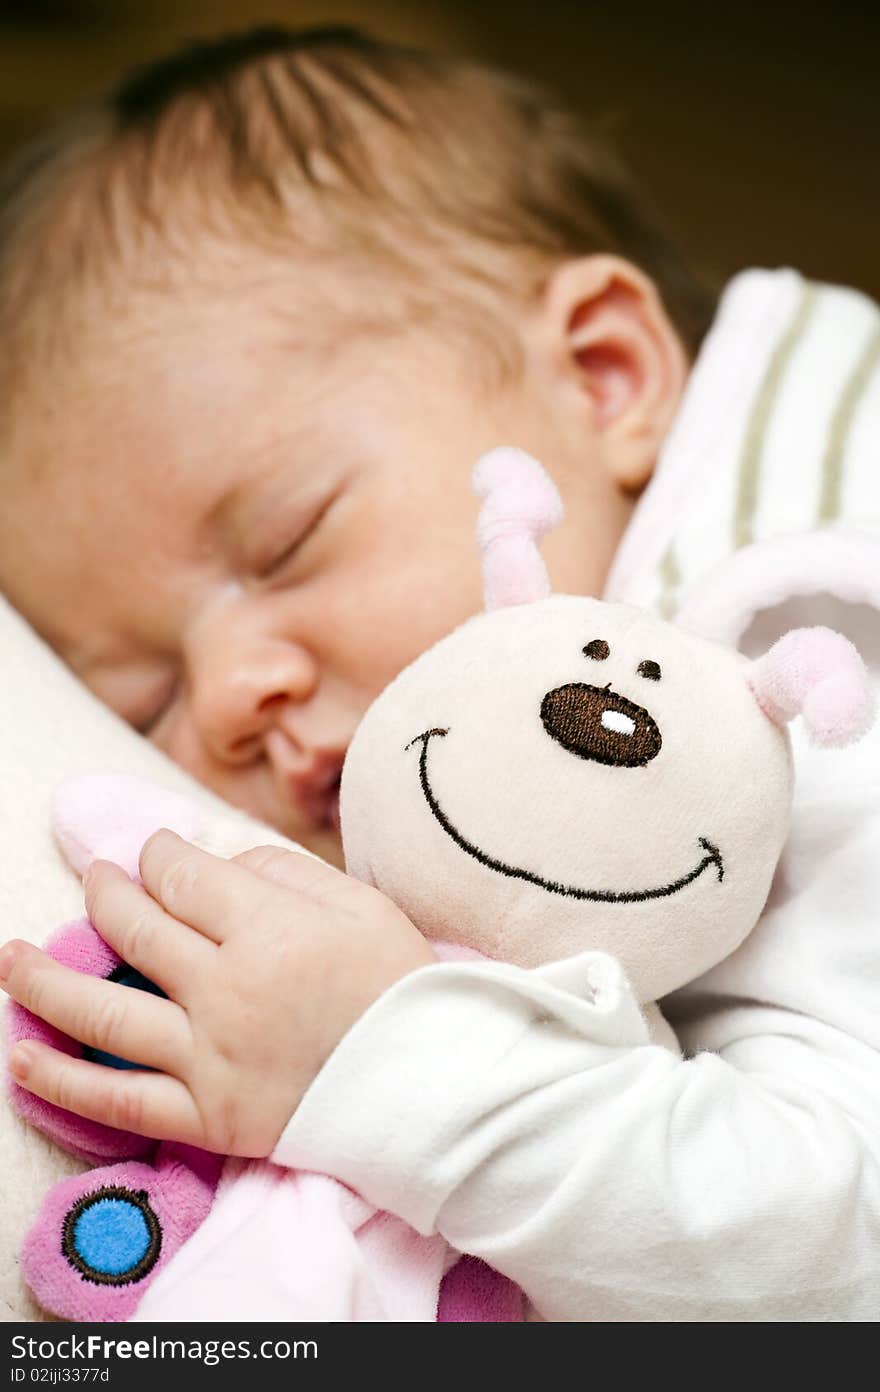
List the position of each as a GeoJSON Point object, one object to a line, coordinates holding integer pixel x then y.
{"type": "Point", "coordinates": [593, 722]}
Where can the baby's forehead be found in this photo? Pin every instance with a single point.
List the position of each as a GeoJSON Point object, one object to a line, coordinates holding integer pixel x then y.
{"type": "Point", "coordinates": [215, 347]}
{"type": "Point", "coordinates": [192, 303]}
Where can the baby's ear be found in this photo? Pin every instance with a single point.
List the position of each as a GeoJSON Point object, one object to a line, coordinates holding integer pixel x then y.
{"type": "Point", "coordinates": [816, 673]}
{"type": "Point", "coordinates": [109, 816]}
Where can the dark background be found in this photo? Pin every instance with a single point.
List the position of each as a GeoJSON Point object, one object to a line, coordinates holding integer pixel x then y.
{"type": "Point", "coordinates": [755, 130]}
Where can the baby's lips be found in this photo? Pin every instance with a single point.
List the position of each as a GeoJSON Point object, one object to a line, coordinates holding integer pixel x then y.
{"type": "Point", "coordinates": [311, 782]}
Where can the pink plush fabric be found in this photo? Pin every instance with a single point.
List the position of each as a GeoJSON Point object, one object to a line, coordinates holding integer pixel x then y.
{"type": "Point", "coordinates": [178, 1187]}
{"type": "Point", "coordinates": [818, 674]}
{"type": "Point", "coordinates": [283, 1243]}
{"type": "Point", "coordinates": [77, 945]}
{"type": "Point", "coordinates": [472, 1285]}
{"type": "Point", "coordinates": [379, 1264]}
{"type": "Point", "coordinates": [103, 816]}
{"type": "Point", "coordinates": [520, 504]}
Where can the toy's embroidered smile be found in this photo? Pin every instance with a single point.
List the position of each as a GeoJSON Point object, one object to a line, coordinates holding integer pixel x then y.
{"type": "Point", "coordinates": [596, 896]}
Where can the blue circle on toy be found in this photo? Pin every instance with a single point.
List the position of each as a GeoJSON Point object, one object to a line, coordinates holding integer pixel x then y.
{"type": "Point", "coordinates": [112, 1236]}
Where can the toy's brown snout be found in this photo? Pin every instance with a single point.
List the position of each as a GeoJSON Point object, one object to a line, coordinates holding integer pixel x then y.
{"type": "Point", "coordinates": [596, 723]}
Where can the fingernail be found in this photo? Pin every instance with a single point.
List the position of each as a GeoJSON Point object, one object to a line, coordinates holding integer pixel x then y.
{"type": "Point", "coordinates": [93, 869]}
{"type": "Point", "coordinates": [91, 872]}
{"type": "Point", "coordinates": [7, 957]}
{"type": "Point", "coordinates": [157, 835]}
{"type": "Point", "coordinates": [20, 1061]}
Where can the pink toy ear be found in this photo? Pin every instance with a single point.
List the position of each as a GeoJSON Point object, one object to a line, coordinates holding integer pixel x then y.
{"type": "Point", "coordinates": [816, 673]}
{"type": "Point", "coordinates": [109, 816]}
{"type": "Point", "coordinates": [520, 504]}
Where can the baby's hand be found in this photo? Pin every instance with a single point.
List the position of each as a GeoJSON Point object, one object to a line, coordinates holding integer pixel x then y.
{"type": "Point", "coordinates": [267, 960]}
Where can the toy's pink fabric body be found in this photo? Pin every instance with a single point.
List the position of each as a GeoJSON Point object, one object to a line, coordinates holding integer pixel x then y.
{"type": "Point", "coordinates": [375, 1267]}
{"type": "Point", "coordinates": [178, 1182]}
{"type": "Point", "coordinates": [313, 1247]}
{"type": "Point", "coordinates": [77, 945]}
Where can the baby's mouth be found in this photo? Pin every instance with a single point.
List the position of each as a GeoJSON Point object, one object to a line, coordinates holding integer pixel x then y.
{"type": "Point", "coordinates": [711, 856]}
{"type": "Point", "coordinates": [334, 808]}
{"type": "Point", "coordinates": [321, 804]}
{"type": "Point", "coordinates": [311, 783]}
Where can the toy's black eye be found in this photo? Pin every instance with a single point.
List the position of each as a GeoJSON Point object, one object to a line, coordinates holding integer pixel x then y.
{"type": "Point", "coordinates": [598, 649]}
{"type": "Point", "coordinates": [649, 669]}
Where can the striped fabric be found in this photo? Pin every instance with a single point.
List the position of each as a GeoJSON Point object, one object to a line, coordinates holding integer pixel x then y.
{"type": "Point", "coordinates": [778, 435]}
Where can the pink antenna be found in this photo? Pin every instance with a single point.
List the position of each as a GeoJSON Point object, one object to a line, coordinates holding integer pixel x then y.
{"type": "Point", "coordinates": [520, 504]}
{"type": "Point", "coordinates": [816, 673]}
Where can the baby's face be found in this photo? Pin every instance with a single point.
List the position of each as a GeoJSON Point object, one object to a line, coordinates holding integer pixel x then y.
{"type": "Point", "coordinates": [237, 537]}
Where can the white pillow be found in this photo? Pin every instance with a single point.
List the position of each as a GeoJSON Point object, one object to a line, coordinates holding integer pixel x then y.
{"type": "Point", "coordinates": [51, 728]}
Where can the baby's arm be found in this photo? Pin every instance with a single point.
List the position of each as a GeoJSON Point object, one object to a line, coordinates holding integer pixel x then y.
{"type": "Point", "coordinates": [611, 1182]}
{"type": "Point", "coordinates": [617, 1182]}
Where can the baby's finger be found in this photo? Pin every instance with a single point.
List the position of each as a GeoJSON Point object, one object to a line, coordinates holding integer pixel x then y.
{"type": "Point", "coordinates": [293, 869]}
{"type": "Point", "coordinates": [145, 936]}
{"type": "Point", "coordinates": [209, 893]}
{"type": "Point", "coordinates": [116, 1019]}
{"type": "Point", "coordinates": [149, 1104]}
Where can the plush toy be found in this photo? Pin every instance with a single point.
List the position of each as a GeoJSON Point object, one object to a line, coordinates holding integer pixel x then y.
{"type": "Point", "coordinates": [558, 776]}
{"type": "Point", "coordinates": [103, 1237]}
{"type": "Point", "coordinates": [562, 774]}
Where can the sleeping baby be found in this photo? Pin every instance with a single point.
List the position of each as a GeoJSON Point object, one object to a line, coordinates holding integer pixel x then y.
{"type": "Point", "coordinates": [268, 386]}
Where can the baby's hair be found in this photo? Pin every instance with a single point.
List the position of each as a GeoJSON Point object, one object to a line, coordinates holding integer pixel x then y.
{"type": "Point", "coordinates": [464, 184]}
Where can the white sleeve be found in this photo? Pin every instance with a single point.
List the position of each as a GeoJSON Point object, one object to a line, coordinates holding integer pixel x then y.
{"type": "Point", "coordinates": [523, 1115]}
